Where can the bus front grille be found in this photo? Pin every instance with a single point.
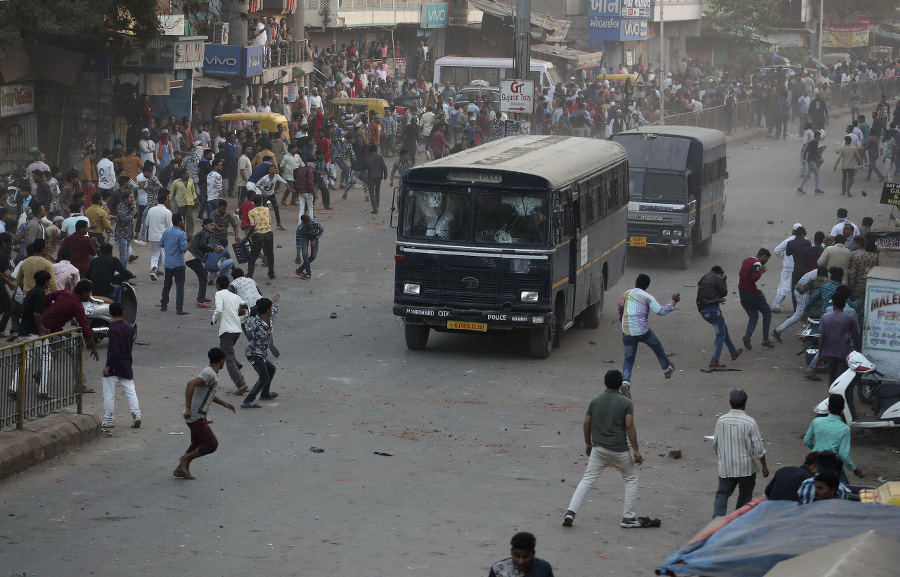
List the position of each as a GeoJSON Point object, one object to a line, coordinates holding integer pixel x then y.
{"type": "Point", "coordinates": [478, 287]}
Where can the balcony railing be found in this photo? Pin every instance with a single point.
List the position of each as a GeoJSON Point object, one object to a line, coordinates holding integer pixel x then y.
{"type": "Point", "coordinates": [285, 53]}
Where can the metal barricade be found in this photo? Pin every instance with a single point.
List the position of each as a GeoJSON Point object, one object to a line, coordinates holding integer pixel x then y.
{"type": "Point", "coordinates": [40, 375]}
{"type": "Point", "coordinates": [744, 112]}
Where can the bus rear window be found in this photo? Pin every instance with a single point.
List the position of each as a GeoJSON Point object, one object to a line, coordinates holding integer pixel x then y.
{"type": "Point", "coordinates": [432, 215]}
{"type": "Point", "coordinates": [510, 219]}
{"type": "Point", "coordinates": [455, 74]}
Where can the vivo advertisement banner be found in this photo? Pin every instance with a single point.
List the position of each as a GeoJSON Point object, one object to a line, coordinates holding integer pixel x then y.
{"type": "Point", "coordinates": [222, 60]}
{"type": "Point", "coordinates": [606, 23]}
{"type": "Point", "coordinates": [253, 61]}
{"type": "Point", "coordinates": [435, 15]}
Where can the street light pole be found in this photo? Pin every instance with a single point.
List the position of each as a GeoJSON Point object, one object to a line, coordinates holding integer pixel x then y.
{"type": "Point", "coordinates": [662, 66]}
{"type": "Point", "coordinates": [522, 35]}
{"type": "Point", "coordinates": [819, 63]}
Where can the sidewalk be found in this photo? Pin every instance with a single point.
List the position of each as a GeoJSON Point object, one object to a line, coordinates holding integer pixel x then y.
{"type": "Point", "coordinates": [45, 438]}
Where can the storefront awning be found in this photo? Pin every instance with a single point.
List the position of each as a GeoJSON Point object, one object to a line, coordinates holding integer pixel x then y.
{"type": "Point", "coordinates": [207, 82]}
{"type": "Point", "coordinates": [556, 29]}
{"type": "Point", "coordinates": [580, 58]}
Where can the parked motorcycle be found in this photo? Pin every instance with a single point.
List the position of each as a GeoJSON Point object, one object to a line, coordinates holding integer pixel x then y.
{"type": "Point", "coordinates": [809, 335]}
{"type": "Point", "coordinates": [98, 316]}
{"type": "Point", "coordinates": [886, 396]}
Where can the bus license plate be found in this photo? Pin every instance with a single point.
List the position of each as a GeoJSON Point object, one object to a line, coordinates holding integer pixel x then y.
{"type": "Point", "coordinates": [464, 326]}
{"type": "Point", "coordinates": [638, 241]}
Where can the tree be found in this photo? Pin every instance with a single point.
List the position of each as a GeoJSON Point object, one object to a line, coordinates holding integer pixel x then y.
{"type": "Point", "coordinates": [99, 24]}
{"type": "Point", "coordinates": [744, 18]}
{"type": "Point", "coordinates": [840, 11]}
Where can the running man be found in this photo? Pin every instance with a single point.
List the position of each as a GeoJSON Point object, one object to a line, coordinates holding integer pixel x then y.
{"type": "Point", "coordinates": [198, 396]}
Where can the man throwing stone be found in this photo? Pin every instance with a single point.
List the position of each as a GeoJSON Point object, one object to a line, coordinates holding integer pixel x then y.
{"type": "Point", "coordinates": [634, 308]}
{"type": "Point", "coordinates": [608, 428]}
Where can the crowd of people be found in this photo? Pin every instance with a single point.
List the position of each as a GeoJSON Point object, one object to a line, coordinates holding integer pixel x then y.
{"type": "Point", "coordinates": [825, 279]}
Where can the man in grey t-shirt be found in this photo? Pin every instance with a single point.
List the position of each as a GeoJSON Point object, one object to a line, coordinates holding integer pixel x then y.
{"type": "Point", "coordinates": [608, 427]}
{"type": "Point", "coordinates": [198, 396]}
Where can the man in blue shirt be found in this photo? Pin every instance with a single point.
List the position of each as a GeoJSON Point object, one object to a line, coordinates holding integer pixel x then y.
{"type": "Point", "coordinates": [173, 243]}
{"type": "Point", "coordinates": [261, 170]}
{"type": "Point", "coordinates": [825, 485]}
{"type": "Point", "coordinates": [831, 433]}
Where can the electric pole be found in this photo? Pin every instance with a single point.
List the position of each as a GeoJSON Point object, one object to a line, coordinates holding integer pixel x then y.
{"type": "Point", "coordinates": [523, 39]}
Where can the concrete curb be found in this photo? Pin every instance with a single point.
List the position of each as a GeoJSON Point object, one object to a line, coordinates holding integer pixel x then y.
{"type": "Point", "coordinates": [45, 438]}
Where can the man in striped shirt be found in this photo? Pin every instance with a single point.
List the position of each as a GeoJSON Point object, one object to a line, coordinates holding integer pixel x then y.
{"type": "Point", "coordinates": [634, 308]}
{"type": "Point", "coordinates": [738, 444]}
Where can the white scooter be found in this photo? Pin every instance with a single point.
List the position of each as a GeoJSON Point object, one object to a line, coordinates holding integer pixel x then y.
{"type": "Point", "coordinates": [886, 404]}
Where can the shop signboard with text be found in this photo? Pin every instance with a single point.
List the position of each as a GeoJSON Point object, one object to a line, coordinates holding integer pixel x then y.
{"type": "Point", "coordinates": [435, 15]}
{"type": "Point", "coordinates": [16, 99]}
{"type": "Point", "coordinates": [845, 36]}
{"type": "Point", "coordinates": [253, 61]}
{"type": "Point", "coordinates": [617, 21]}
{"type": "Point", "coordinates": [222, 60]}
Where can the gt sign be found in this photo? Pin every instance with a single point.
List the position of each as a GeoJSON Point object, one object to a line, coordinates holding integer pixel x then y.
{"type": "Point", "coordinates": [517, 96]}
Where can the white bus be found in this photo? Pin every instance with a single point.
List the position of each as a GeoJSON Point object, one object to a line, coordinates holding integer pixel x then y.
{"type": "Point", "coordinates": [463, 70]}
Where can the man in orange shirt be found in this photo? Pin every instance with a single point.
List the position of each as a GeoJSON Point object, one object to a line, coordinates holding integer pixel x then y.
{"type": "Point", "coordinates": [261, 236]}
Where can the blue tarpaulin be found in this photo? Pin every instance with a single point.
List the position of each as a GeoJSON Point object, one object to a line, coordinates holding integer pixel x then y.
{"type": "Point", "coordinates": [773, 531]}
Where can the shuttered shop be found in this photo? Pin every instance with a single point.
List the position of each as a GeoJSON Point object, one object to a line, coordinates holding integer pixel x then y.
{"type": "Point", "coordinates": [17, 134]}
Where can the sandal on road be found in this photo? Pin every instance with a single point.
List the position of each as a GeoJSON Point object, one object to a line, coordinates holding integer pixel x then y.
{"type": "Point", "coordinates": [640, 523]}
{"type": "Point", "coordinates": [251, 406]}
{"type": "Point", "coordinates": [270, 396]}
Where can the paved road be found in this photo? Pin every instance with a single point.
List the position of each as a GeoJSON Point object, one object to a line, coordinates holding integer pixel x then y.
{"type": "Point", "coordinates": [485, 441]}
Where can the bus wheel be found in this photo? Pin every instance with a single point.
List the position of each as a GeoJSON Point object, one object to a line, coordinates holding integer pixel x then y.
{"type": "Point", "coordinates": [705, 247]}
{"type": "Point", "coordinates": [593, 315]}
{"type": "Point", "coordinates": [687, 255]}
{"type": "Point", "coordinates": [416, 336]}
{"type": "Point", "coordinates": [558, 322]}
{"type": "Point", "coordinates": [540, 341]}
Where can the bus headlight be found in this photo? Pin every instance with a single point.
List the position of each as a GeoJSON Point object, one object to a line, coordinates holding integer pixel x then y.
{"type": "Point", "coordinates": [677, 232]}
{"type": "Point", "coordinates": [412, 288]}
{"type": "Point", "coordinates": [667, 233]}
{"type": "Point", "coordinates": [528, 296]}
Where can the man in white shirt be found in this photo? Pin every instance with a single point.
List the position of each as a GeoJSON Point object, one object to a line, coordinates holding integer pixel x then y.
{"type": "Point", "coordinates": [214, 186]}
{"type": "Point", "coordinates": [841, 220]}
{"type": "Point", "coordinates": [227, 314]}
{"type": "Point", "coordinates": [203, 136]}
{"type": "Point", "coordinates": [244, 170]}
{"type": "Point", "coordinates": [106, 173]}
{"type": "Point", "coordinates": [259, 38]}
{"type": "Point", "coordinates": [267, 186]}
{"type": "Point", "coordinates": [315, 101]}
{"type": "Point", "coordinates": [289, 163]}
{"type": "Point", "coordinates": [159, 220]}
{"type": "Point", "coordinates": [146, 147]}
{"type": "Point", "coordinates": [263, 106]}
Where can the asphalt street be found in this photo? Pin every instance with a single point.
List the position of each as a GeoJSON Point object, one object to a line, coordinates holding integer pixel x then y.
{"type": "Point", "coordinates": [482, 441]}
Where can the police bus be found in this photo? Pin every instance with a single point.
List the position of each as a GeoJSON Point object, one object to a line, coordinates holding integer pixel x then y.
{"type": "Point", "coordinates": [523, 233]}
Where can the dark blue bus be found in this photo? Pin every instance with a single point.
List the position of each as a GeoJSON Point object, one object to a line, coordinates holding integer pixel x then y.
{"type": "Point", "coordinates": [524, 233]}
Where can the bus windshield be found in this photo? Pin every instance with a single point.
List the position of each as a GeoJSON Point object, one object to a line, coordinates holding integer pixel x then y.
{"type": "Point", "coordinates": [510, 219]}
{"type": "Point", "coordinates": [657, 187]}
{"type": "Point", "coordinates": [434, 215]}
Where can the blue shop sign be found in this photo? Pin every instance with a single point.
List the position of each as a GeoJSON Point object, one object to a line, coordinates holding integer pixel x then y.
{"type": "Point", "coordinates": [222, 60]}
{"type": "Point", "coordinates": [605, 22]}
{"type": "Point", "coordinates": [435, 15]}
{"type": "Point", "coordinates": [253, 61]}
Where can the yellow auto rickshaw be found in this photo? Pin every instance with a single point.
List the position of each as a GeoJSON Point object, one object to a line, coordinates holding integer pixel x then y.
{"type": "Point", "coordinates": [269, 121]}
{"type": "Point", "coordinates": [338, 105]}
